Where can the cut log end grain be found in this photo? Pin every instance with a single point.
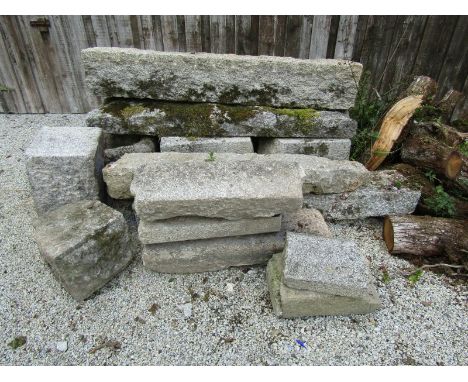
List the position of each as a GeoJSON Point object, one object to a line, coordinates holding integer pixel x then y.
{"type": "Point", "coordinates": [388, 233]}
{"type": "Point", "coordinates": [454, 165]}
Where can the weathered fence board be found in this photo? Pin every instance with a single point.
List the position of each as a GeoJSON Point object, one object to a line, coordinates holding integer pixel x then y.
{"type": "Point", "coordinates": [40, 64]}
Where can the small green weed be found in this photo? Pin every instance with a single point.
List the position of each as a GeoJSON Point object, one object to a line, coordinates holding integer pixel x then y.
{"type": "Point", "coordinates": [415, 276]}
{"type": "Point", "coordinates": [397, 184]}
{"type": "Point", "coordinates": [211, 157]}
{"type": "Point", "coordinates": [431, 176]}
{"type": "Point", "coordinates": [4, 88]}
{"type": "Point", "coordinates": [17, 342]}
{"type": "Point", "coordinates": [428, 113]}
{"type": "Point", "coordinates": [463, 148]}
{"type": "Point", "coordinates": [441, 203]}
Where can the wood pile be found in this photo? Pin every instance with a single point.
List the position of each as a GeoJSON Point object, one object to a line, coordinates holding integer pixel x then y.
{"type": "Point", "coordinates": [432, 153]}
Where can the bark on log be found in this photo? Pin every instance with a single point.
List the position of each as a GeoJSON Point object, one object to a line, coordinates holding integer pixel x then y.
{"type": "Point", "coordinates": [427, 236]}
{"type": "Point", "coordinates": [397, 117]}
{"type": "Point", "coordinates": [427, 152]}
{"type": "Point", "coordinates": [449, 101]}
{"type": "Point", "coordinates": [417, 179]}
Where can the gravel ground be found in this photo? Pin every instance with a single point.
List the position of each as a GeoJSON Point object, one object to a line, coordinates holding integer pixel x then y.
{"type": "Point", "coordinates": [220, 318]}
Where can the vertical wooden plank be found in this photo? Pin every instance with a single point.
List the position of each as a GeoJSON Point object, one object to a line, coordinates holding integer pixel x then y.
{"type": "Point", "coordinates": [145, 26]}
{"type": "Point", "coordinates": [407, 38]}
{"type": "Point", "coordinates": [170, 33]}
{"type": "Point", "coordinates": [434, 45]}
{"type": "Point", "coordinates": [247, 35]}
{"type": "Point", "coordinates": [306, 36]}
{"type": "Point", "coordinates": [319, 38]}
{"type": "Point", "coordinates": [280, 35]}
{"type": "Point", "coordinates": [101, 32]}
{"type": "Point", "coordinates": [193, 33]}
{"type": "Point", "coordinates": [89, 30]}
{"type": "Point", "coordinates": [205, 34]}
{"type": "Point", "coordinates": [157, 33]}
{"type": "Point", "coordinates": [266, 35]}
{"type": "Point", "coordinates": [230, 27]}
{"type": "Point", "coordinates": [377, 45]}
{"type": "Point", "coordinates": [217, 34]}
{"type": "Point", "coordinates": [345, 37]}
{"type": "Point", "coordinates": [120, 29]}
{"type": "Point", "coordinates": [181, 33]}
{"type": "Point", "coordinates": [332, 35]}
{"type": "Point", "coordinates": [16, 100]}
{"type": "Point", "coordinates": [293, 36]}
{"type": "Point", "coordinates": [361, 31]}
{"type": "Point", "coordinates": [136, 33]}
{"type": "Point", "coordinates": [461, 111]}
{"type": "Point", "coordinates": [455, 67]}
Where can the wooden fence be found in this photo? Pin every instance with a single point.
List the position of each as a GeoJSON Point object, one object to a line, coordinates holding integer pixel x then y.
{"type": "Point", "coordinates": [40, 69]}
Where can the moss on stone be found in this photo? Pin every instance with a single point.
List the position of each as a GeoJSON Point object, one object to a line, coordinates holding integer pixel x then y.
{"type": "Point", "coordinates": [299, 114]}
{"type": "Point", "coordinates": [131, 110]}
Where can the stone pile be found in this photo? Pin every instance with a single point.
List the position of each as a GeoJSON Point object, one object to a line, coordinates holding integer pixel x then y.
{"type": "Point", "coordinates": [227, 160]}
{"type": "Point", "coordinates": [219, 103]}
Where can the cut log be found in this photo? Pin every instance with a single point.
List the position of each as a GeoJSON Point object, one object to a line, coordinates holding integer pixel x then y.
{"type": "Point", "coordinates": [397, 117]}
{"type": "Point", "coordinates": [427, 236]}
{"type": "Point", "coordinates": [427, 152]}
{"type": "Point", "coordinates": [415, 178]}
{"type": "Point", "coordinates": [447, 134]}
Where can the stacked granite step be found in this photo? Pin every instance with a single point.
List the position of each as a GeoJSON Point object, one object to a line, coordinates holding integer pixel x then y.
{"type": "Point", "coordinates": [316, 276]}
{"type": "Point", "coordinates": [197, 216]}
{"type": "Point", "coordinates": [218, 103]}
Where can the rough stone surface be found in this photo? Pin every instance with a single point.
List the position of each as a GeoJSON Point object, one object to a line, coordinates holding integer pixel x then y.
{"type": "Point", "coordinates": [64, 165]}
{"type": "Point", "coordinates": [321, 174]}
{"type": "Point", "coordinates": [289, 302]}
{"type": "Point", "coordinates": [126, 116]}
{"type": "Point", "coordinates": [336, 149]}
{"type": "Point", "coordinates": [211, 254]}
{"type": "Point", "coordinates": [146, 145]}
{"type": "Point", "coordinates": [305, 220]}
{"type": "Point", "coordinates": [385, 193]}
{"type": "Point", "coordinates": [195, 228]}
{"type": "Point", "coordinates": [86, 245]}
{"type": "Point", "coordinates": [241, 145]}
{"type": "Point", "coordinates": [223, 78]}
{"type": "Point", "coordinates": [222, 189]}
{"type": "Point", "coordinates": [325, 265]}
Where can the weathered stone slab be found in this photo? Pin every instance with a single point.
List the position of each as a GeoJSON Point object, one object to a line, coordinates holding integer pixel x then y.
{"type": "Point", "coordinates": [242, 145]}
{"type": "Point", "coordinates": [321, 174]}
{"type": "Point", "coordinates": [305, 220]}
{"type": "Point", "coordinates": [336, 149]}
{"type": "Point", "coordinates": [325, 265]}
{"type": "Point", "coordinates": [211, 254]}
{"type": "Point", "coordinates": [85, 243]}
{"type": "Point", "coordinates": [223, 78]}
{"type": "Point", "coordinates": [289, 303]}
{"type": "Point", "coordinates": [385, 193]}
{"type": "Point", "coordinates": [219, 253]}
{"type": "Point", "coordinates": [196, 228]}
{"type": "Point", "coordinates": [146, 117]}
{"type": "Point", "coordinates": [64, 165]}
{"type": "Point", "coordinates": [221, 189]}
{"type": "Point", "coordinates": [145, 145]}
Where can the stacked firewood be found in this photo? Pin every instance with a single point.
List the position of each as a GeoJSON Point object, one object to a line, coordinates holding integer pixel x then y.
{"type": "Point", "coordinates": [433, 156]}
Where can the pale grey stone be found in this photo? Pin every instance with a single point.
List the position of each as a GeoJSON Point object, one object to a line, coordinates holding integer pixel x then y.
{"type": "Point", "coordinates": [64, 165]}
{"type": "Point", "coordinates": [212, 188]}
{"type": "Point", "coordinates": [86, 244]}
{"type": "Point", "coordinates": [321, 175]}
{"type": "Point", "coordinates": [224, 78]}
{"type": "Point", "coordinates": [336, 149]}
{"type": "Point", "coordinates": [162, 119]}
{"type": "Point", "coordinates": [325, 265]}
{"type": "Point", "coordinates": [196, 228]}
{"type": "Point", "coordinates": [305, 220]}
{"type": "Point", "coordinates": [186, 309]}
{"type": "Point", "coordinates": [146, 145]}
{"type": "Point", "coordinates": [385, 193]}
{"type": "Point", "coordinates": [240, 145]}
{"type": "Point", "coordinates": [290, 303]}
{"type": "Point", "coordinates": [62, 346]}
{"type": "Point", "coordinates": [219, 253]}
{"type": "Point", "coordinates": [211, 254]}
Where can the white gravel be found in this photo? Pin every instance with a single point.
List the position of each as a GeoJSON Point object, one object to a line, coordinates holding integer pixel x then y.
{"type": "Point", "coordinates": [137, 318]}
